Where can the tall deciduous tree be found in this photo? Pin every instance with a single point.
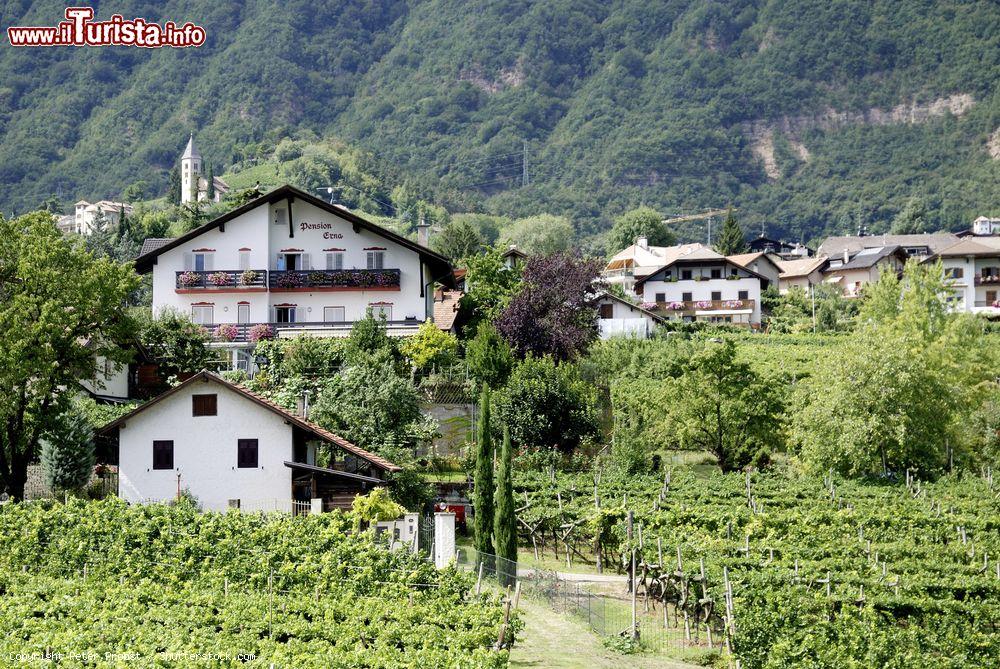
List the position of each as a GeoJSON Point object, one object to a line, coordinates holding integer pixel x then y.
{"type": "Point", "coordinates": [722, 406]}
{"type": "Point", "coordinates": [489, 286]}
{"type": "Point", "coordinates": [642, 222]}
{"type": "Point", "coordinates": [505, 521]}
{"type": "Point", "coordinates": [60, 308]}
{"type": "Point", "coordinates": [542, 234]}
{"type": "Point", "coordinates": [731, 240]}
{"type": "Point", "coordinates": [483, 481]}
{"type": "Point", "coordinates": [554, 312]}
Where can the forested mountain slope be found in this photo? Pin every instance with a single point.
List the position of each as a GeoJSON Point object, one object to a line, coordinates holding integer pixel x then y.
{"type": "Point", "coordinates": [810, 116]}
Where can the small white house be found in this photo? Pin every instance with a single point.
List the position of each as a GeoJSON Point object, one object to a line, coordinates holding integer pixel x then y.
{"type": "Point", "coordinates": [972, 268]}
{"type": "Point", "coordinates": [621, 318]}
{"type": "Point", "coordinates": [231, 448]}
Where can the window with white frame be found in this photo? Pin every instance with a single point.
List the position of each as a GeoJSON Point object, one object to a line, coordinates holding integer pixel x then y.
{"type": "Point", "coordinates": [376, 259]}
{"type": "Point", "coordinates": [381, 311]}
{"type": "Point", "coordinates": [203, 314]}
{"type": "Point", "coordinates": [244, 260]}
{"type": "Point", "coordinates": [201, 261]}
{"type": "Point", "coordinates": [333, 314]}
{"type": "Point", "coordinates": [335, 260]}
{"type": "Point", "coordinates": [242, 313]}
{"type": "Point", "coordinates": [284, 314]}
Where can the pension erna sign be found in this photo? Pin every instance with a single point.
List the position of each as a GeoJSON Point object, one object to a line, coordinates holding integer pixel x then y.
{"type": "Point", "coordinates": [321, 226]}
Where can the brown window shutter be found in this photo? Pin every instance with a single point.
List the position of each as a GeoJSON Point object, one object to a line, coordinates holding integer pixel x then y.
{"type": "Point", "coordinates": [204, 405]}
{"type": "Point", "coordinates": [163, 455]}
{"type": "Point", "coordinates": [246, 453]}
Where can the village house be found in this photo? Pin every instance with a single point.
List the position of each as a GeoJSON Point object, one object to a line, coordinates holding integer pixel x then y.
{"type": "Point", "coordinates": [804, 273]}
{"type": "Point", "coordinates": [83, 220]}
{"type": "Point", "coordinates": [621, 318]}
{"type": "Point", "coordinates": [917, 246]}
{"type": "Point", "coordinates": [972, 267]}
{"type": "Point", "coordinates": [780, 248]}
{"type": "Point", "coordinates": [288, 263]}
{"type": "Point", "coordinates": [231, 448]}
{"type": "Point", "coordinates": [852, 272]}
{"type": "Point", "coordinates": [762, 263]}
{"type": "Point", "coordinates": [703, 285]}
{"type": "Point", "coordinates": [636, 262]}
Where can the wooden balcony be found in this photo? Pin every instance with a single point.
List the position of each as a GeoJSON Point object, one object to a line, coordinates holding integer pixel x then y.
{"type": "Point", "coordinates": [333, 279]}
{"type": "Point", "coordinates": [241, 332]}
{"type": "Point", "coordinates": [221, 280]}
{"type": "Point", "coordinates": [987, 279]}
{"type": "Point", "coordinates": [691, 306]}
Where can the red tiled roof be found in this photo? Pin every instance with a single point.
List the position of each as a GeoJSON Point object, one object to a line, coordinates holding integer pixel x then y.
{"type": "Point", "coordinates": [309, 426]}
{"type": "Point", "coordinates": [446, 308]}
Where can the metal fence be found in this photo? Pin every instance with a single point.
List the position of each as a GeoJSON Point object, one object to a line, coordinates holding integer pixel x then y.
{"type": "Point", "coordinates": [605, 606]}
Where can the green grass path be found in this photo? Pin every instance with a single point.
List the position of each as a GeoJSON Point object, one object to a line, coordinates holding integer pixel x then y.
{"type": "Point", "coordinates": [555, 641]}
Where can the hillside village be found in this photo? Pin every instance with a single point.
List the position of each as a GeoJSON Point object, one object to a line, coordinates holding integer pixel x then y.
{"type": "Point", "coordinates": [289, 356]}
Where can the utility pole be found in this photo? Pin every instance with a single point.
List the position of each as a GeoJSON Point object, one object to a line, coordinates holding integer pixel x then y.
{"type": "Point", "coordinates": [812, 294]}
{"type": "Point", "coordinates": [524, 163]}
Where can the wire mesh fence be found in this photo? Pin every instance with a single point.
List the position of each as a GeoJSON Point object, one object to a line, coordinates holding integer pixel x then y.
{"type": "Point", "coordinates": [604, 604]}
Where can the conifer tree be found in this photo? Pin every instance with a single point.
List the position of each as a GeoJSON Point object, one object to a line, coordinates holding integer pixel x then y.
{"type": "Point", "coordinates": [505, 522]}
{"type": "Point", "coordinates": [731, 240]}
{"type": "Point", "coordinates": [483, 482]}
{"type": "Point", "coordinates": [67, 451]}
{"type": "Point", "coordinates": [174, 189]}
{"type": "Point", "coordinates": [210, 179]}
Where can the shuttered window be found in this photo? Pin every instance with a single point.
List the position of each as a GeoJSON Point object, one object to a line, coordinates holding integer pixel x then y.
{"type": "Point", "coordinates": [204, 405]}
{"type": "Point", "coordinates": [607, 311]}
{"type": "Point", "coordinates": [246, 453]}
{"type": "Point", "coordinates": [163, 455]}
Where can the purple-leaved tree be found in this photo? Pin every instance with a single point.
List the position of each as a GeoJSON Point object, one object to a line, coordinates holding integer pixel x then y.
{"type": "Point", "coordinates": [554, 312]}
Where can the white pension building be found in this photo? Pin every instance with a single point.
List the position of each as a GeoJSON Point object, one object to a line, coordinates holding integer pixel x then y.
{"type": "Point", "coordinates": [290, 263]}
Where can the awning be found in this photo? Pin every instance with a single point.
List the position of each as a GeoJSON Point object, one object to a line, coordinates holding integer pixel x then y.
{"type": "Point", "coordinates": [334, 472]}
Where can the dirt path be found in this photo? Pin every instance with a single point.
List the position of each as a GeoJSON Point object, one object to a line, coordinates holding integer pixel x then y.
{"type": "Point", "coordinates": [555, 641]}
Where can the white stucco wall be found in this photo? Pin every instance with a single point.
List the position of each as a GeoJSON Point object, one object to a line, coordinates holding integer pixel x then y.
{"type": "Point", "coordinates": [111, 380]}
{"type": "Point", "coordinates": [315, 230]}
{"type": "Point", "coordinates": [624, 321]}
{"type": "Point", "coordinates": [702, 290]}
{"type": "Point", "coordinates": [205, 451]}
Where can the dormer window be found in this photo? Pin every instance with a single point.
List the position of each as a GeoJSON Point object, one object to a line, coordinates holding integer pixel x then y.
{"type": "Point", "coordinates": [686, 274]}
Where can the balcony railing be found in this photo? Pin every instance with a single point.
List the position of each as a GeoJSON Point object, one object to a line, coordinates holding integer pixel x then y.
{"type": "Point", "coordinates": [682, 306]}
{"type": "Point", "coordinates": [987, 279]}
{"type": "Point", "coordinates": [221, 279]}
{"type": "Point", "coordinates": [995, 304]}
{"type": "Point", "coordinates": [240, 332]}
{"type": "Point", "coordinates": [333, 278]}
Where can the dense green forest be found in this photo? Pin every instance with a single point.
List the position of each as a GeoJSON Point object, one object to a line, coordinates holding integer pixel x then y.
{"type": "Point", "coordinates": [810, 116]}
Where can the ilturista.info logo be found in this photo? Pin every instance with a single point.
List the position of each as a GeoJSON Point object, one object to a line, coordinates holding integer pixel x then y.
{"type": "Point", "coordinates": [80, 29]}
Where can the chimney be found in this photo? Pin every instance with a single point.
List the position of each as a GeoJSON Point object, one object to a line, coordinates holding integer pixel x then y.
{"type": "Point", "coordinates": [847, 256]}
{"type": "Point", "coordinates": [302, 405]}
{"type": "Point", "coordinates": [423, 230]}
{"type": "Point", "coordinates": [642, 242]}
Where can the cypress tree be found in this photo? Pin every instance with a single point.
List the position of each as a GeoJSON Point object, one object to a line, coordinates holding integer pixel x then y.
{"type": "Point", "coordinates": [731, 240]}
{"type": "Point", "coordinates": [505, 523]}
{"type": "Point", "coordinates": [483, 481]}
{"type": "Point", "coordinates": [174, 189]}
{"type": "Point", "coordinates": [210, 178]}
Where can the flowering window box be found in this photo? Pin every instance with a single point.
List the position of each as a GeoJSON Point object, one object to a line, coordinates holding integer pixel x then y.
{"type": "Point", "coordinates": [260, 332]}
{"type": "Point", "coordinates": [676, 306]}
{"type": "Point", "coordinates": [226, 332]}
{"type": "Point", "coordinates": [704, 304]}
{"type": "Point", "coordinates": [733, 304]}
{"type": "Point", "coordinates": [189, 279]}
{"type": "Point", "coordinates": [219, 279]}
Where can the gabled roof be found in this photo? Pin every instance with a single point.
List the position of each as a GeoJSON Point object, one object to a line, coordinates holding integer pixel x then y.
{"type": "Point", "coordinates": [834, 246]}
{"type": "Point", "coordinates": [446, 308]}
{"type": "Point", "coordinates": [630, 305]}
{"type": "Point", "coordinates": [800, 266]}
{"type": "Point", "coordinates": [514, 252]}
{"type": "Point", "coordinates": [969, 246]}
{"type": "Point", "coordinates": [150, 244]}
{"type": "Point", "coordinates": [440, 265]}
{"type": "Point", "coordinates": [696, 257]}
{"type": "Point", "coordinates": [289, 417]}
{"type": "Point", "coordinates": [646, 259]}
{"type": "Point", "coordinates": [866, 258]}
{"type": "Point", "coordinates": [745, 259]}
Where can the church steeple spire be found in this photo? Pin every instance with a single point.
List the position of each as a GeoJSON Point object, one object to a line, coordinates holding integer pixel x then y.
{"type": "Point", "coordinates": [191, 151]}
{"type": "Point", "coordinates": [191, 172]}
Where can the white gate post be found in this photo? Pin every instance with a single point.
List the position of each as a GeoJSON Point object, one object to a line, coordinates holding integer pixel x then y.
{"type": "Point", "coordinates": [315, 506]}
{"type": "Point", "coordinates": [444, 539]}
